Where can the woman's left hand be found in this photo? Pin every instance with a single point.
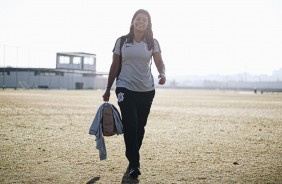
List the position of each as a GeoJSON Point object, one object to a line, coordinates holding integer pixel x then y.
{"type": "Point", "coordinates": [162, 79]}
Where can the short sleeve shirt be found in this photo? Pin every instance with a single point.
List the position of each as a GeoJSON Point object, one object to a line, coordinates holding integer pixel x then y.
{"type": "Point", "coordinates": [135, 72]}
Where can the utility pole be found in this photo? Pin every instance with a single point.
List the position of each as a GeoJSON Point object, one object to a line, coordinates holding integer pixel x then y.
{"type": "Point", "coordinates": [17, 68]}
{"type": "Point", "coordinates": [3, 84]}
{"type": "Point", "coordinates": [245, 73]}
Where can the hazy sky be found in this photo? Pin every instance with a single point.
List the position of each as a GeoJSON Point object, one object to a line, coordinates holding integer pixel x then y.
{"type": "Point", "coordinates": [196, 36]}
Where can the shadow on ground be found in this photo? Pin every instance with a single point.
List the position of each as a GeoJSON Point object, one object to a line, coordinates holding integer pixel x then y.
{"type": "Point", "coordinates": [93, 180]}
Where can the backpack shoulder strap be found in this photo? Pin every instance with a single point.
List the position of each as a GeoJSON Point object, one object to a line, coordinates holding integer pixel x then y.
{"type": "Point", "coordinates": [122, 40]}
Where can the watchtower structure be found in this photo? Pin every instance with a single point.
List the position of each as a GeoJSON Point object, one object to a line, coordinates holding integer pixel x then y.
{"type": "Point", "coordinates": [76, 61]}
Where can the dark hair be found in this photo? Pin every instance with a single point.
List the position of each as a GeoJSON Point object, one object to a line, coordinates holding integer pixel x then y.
{"type": "Point", "coordinates": [148, 36]}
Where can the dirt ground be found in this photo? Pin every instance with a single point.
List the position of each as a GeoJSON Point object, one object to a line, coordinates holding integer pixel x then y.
{"type": "Point", "coordinates": [192, 136]}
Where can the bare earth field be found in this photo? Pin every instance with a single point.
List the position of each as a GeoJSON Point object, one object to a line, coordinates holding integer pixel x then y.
{"type": "Point", "coordinates": [191, 137]}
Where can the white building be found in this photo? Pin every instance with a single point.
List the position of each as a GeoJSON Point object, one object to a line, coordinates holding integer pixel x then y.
{"type": "Point", "coordinates": [74, 70]}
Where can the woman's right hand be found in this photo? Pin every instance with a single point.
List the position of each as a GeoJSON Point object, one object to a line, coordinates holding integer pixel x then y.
{"type": "Point", "coordinates": [107, 94]}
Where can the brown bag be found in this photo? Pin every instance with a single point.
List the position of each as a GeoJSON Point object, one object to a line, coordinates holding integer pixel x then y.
{"type": "Point", "coordinates": [108, 123]}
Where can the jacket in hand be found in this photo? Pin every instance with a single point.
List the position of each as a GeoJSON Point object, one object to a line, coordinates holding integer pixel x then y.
{"type": "Point", "coordinates": [96, 128]}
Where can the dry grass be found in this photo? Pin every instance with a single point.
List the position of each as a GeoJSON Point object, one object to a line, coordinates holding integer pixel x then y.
{"type": "Point", "coordinates": [191, 137]}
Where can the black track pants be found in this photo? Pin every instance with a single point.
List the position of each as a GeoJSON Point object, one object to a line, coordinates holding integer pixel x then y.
{"type": "Point", "coordinates": [135, 108]}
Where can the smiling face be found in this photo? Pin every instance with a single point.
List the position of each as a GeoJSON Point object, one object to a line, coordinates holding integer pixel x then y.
{"type": "Point", "coordinates": [140, 23]}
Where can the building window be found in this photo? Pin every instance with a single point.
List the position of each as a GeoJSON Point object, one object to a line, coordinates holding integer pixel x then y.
{"type": "Point", "coordinates": [5, 73]}
{"type": "Point", "coordinates": [42, 73]}
{"type": "Point", "coordinates": [89, 61]}
{"type": "Point", "coordinates": [64, 59]}
{"type": "Point", "coordinates": [76, 60]}
{"type": "Point", "coordinates": [59, 74]}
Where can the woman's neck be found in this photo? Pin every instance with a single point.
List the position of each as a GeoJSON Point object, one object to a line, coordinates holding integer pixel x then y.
{"type": "Point", "coordinates": [138, 36]}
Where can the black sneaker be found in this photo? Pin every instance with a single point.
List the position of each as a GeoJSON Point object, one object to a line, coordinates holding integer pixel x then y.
{"type": "Point", "coordinates": [134, 172]}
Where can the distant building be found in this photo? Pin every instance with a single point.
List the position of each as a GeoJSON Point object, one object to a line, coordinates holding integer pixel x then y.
{"type": "Point", "coordinates": [74, 70]}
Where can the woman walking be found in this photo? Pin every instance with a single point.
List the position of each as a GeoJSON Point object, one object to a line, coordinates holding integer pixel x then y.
{"type": "Point", "coordinates": [135, 89]}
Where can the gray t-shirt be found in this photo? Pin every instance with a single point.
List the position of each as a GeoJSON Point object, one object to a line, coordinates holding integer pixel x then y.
{"type": "Point", "coordinates": [135, 72]}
